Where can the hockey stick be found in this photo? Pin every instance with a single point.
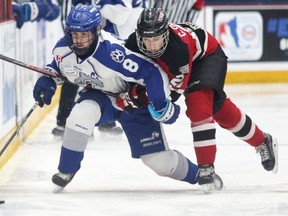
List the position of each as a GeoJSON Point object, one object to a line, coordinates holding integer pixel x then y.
{"type": "Point", "coordinates": [32, 67]}
{"type": "Point", "coordinates": [18, 128]}
{"type": "Point", "coordinates": [45, 72]}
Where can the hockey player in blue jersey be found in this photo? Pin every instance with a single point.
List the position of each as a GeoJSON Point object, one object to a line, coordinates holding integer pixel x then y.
{"type": "Point", "coordinates": [118, 17]}
{"type": "Point", "coordinates": [96, 60]}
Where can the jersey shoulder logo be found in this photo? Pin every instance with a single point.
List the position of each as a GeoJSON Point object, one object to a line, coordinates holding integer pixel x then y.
{"type": "Point", "coordinates": [184, 69]}
{"type": "Point", "coordinates": [117, 56]}
{"type": "Point", "coordinates": [59, 58]}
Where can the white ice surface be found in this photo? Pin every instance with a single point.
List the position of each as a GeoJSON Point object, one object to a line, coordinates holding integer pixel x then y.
{"type": "Point", "coordinates": [111, 183]}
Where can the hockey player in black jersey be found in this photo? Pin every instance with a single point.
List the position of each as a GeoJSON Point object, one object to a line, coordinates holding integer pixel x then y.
{"type": "Point", "coordinates": [196, 66]}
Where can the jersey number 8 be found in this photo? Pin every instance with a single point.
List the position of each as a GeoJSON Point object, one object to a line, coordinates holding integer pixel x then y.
{"type": "Point", "coordinates": [130, 65]}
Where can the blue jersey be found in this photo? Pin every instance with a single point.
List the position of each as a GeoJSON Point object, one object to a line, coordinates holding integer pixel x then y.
{"type": "Point", "coordinates": [120, 16]}
{"type": "Point", "coordinates": [110, 68]}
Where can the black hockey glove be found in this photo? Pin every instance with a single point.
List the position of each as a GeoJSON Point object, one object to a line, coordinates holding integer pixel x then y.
{"type": "Point", "coordinates": [135, 98]}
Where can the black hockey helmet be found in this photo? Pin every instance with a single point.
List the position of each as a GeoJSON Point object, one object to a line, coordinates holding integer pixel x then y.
{"type": "Point", "coordinates": [152, 23]}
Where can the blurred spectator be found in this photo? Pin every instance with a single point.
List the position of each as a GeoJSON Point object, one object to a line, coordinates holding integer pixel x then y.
{"type": "Point", "coordinates": [34, 11]}
{"type": "Point", "coordinates": [179, 11]}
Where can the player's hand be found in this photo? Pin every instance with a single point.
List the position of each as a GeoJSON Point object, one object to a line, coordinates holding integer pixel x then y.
{"type": "Point", "coordinates": [167, 115]}
{"type": "Point", "coordinates": [21, 14]}
{"type": "Point", "coordinates": [135, 98]}
{"type": "Point", "coordinates": [44, 89]}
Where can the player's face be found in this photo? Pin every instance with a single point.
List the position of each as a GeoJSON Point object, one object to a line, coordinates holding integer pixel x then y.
{"type": "Point", "coordinates": [82, 39]}
{"type": "Point", "coordinates": [153, 44]}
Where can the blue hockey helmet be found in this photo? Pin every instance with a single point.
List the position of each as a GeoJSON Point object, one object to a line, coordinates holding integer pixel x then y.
{"type": "Point", "coordinates": [83, 18]}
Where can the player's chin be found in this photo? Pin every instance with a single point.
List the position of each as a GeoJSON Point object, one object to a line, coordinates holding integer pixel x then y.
{"type": "Point", "coordinates": [80, 46]}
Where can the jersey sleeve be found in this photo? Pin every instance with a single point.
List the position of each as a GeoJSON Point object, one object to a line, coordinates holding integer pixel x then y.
{"type": "Point", "coordinates": [154, 78]}
{"type": "Point", "coordinates": [43, 10]}
{"type": "Point", "coordinates": [115, 11]}
{"type": "Point", "coordinates": [157, 84]}
{"type": "Point", "coordinates": [134, 67]}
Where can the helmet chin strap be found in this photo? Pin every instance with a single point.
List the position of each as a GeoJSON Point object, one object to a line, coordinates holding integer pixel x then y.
{"type": "Point", "coordinates": [87, 51]}
{"type": "Point", "coordinates": [82, 52]}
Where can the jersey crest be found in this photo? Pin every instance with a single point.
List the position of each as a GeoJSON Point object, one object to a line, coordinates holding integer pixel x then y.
{"type": "Point", "coordinates": [117, 56]}
{"type": "Point", "coordinates": [85, 80]}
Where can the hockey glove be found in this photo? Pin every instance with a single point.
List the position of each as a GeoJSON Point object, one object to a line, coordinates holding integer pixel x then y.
{"type": "Point", "coordinates": [167, 115]}
{"type": "Point", "coordinates": [21, 14]}
{"type": "Point", "coordinates": [46, 10]}
{"type": "Point", "coordinates": [135, 98]}
{"type": "Point", "coordinates": [44, 90]}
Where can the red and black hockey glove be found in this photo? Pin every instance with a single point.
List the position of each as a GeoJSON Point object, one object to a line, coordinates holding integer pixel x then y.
{"type": "Point", "coordinates": [135, 98]}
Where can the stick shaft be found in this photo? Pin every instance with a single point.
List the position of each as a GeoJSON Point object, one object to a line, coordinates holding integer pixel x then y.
{"type": "Point", "coordinates": [18, 128]}
{"type": "Point", "coordinates": [31, 67]}
{"type": "Point", "coordinates": [43, 71]}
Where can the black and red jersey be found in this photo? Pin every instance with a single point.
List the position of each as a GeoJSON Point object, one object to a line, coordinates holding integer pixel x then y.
{"type": "Point", "coordinates": [187, 45]}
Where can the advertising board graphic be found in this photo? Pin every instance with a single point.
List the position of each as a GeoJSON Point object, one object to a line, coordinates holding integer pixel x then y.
{"type": "Point", "coordinates": [240, 34]}
{"type": "Point", "coordinates": [252, 34]}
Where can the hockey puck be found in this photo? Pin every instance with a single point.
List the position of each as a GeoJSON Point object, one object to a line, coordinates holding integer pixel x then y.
{"type": "Point", "coordinates": [2, 202]}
